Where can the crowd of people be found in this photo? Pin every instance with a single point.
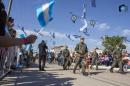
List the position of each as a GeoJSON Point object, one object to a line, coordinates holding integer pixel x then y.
{"type": "Point", "coordinates": [9, 44]}
{"type": "Point", "coordinates": [12, 54]}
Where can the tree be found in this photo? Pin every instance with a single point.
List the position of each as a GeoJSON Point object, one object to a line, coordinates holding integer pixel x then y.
{"type": "Point", "coordinates": [110, 43]}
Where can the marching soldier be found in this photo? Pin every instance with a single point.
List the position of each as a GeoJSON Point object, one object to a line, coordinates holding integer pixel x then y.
{"type": "Point", "coordinates": [42, 55]}
{"type": "Point", "coordinates": [94, 59]}
{"type": "Point", "coordinates": [81, 49]}
{"type": "Point", "coordinates": [66, 55]}
{"type": "Point", "coordinates": [117, 59]}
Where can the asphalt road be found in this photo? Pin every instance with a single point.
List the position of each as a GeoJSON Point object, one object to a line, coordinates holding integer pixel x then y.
{"type": "Point", "coordinates": [55, 76]}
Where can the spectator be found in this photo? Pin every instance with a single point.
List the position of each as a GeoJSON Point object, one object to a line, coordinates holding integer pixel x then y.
{"type": "Point", "coordinates": [106, 60]}
{"type": "Point", "coordinates": [6, 41]}
{"type": "Point", "coordinates": [125, 59]}
{"type": "Point", "coordinates": [101, 59]}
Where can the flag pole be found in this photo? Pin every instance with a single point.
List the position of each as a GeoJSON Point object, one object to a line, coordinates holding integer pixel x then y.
{"type": "Point", "coordinates": [9, 8]}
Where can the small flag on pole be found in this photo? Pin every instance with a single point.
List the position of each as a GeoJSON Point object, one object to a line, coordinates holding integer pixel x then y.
{"type": "Point", "coordinates": [44, 13]}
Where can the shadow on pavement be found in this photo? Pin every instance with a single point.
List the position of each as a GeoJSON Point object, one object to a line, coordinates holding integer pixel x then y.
{"type": "Point", "coordinates": [36, 78]}
{"type": "Point", "coordinates": [95, 73]}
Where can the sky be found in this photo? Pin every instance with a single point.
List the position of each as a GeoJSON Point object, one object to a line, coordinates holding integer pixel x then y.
{"type": "Point", "coordinates": [109, 21]}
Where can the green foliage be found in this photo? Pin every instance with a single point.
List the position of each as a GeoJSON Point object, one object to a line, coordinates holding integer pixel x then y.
{"type": "Point", "coordinates": [110, 43]}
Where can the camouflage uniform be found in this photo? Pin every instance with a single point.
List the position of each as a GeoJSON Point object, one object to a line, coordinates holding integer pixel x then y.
{"type": "Point", "coordinates": [94, 59]}
{"type": "Point", "coordinates": [66, 55]}
{"type": "Point", "coordinates": [42, 55]}
{"type": "Point", "coordinates": [117, 60]}
{"type": "Point", "coordinates": [82, 50]}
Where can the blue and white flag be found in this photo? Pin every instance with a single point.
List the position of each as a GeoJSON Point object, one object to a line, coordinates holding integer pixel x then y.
{"type": "Point", "coordinates": [44, 13]}
{"type": "Point", "coordinates": [84, 11]}
{"type": "Point", "coordinates": [84, 26]}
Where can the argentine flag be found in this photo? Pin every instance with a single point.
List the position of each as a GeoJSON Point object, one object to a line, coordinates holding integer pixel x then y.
{"type": "Point", "coordinates": [44, 13]}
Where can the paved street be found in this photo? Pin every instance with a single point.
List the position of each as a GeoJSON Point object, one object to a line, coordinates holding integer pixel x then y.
{"type": "Point", "coordinates": [55, 76]}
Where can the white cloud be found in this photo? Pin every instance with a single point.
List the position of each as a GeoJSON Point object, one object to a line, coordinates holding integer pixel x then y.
{"type": "Point", "coordinates": [126, 32]}
{"type": "Point", "coordinates": [60, 35]}
{"type": "Point", "coordinates": [93, 43]}
{"type": "Point", "coordinates": [103, 26]}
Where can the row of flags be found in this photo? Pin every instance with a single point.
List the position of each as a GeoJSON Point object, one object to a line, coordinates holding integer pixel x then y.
{"type": "Point", "coordinates": [24, 34]}
{"type": "Point", "coordinates": [44, 16]}
{"type": "Point", "coordinates": [85, 22]}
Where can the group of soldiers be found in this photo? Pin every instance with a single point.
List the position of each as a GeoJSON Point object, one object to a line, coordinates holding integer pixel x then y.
{"type": "Point", "coordinates": [82, 52]}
